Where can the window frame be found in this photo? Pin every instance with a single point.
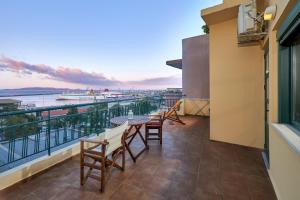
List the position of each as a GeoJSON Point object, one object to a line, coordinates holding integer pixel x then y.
{"type": "Point", "coordinates": [294, 122]}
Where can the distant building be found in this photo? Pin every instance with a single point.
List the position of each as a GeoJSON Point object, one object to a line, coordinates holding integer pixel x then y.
{"type": "Point", "coordinates": [9, 104]}
{"type": "Point", "coordinates": [174, 90]}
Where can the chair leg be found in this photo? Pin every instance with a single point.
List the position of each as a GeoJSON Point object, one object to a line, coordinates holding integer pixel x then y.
{"type": "Point", "coordinates": [160, 135]}
{"type": "Point", "coordinates": [123, 158]}
{"type": "Point", "coordinates": [146, 137]}
{"type": "Point", "coordinates": [103, 168]}
{"type": "Point", "coordinates": [102, 181]}
{"type": "Point", "coordinates": [81, 165]}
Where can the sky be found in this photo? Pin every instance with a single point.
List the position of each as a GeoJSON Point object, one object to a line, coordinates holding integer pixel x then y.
{"type": "Point", "coordinates": [95, 43]}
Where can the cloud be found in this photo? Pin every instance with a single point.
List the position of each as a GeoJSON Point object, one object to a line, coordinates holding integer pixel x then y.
{"type": "Point", "coordinates": [71, 75]}
{"type": "Point", "coordinates": [75, 75]}
{"type": "Point", "coordinates": [169, 80]}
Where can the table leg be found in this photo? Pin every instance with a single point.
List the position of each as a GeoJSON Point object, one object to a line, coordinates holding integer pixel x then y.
{"type": "Point", "coordinates": [137, 131]}
{"type": "Point", "coordinates": [143, 139]}
{"type": "Point", "coordinates": [132, 137]}
{"type": "Point", "coordinates": [130, 152]}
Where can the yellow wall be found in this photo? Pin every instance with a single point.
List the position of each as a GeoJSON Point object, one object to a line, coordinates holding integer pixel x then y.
{"type": "Point", "coordinates": [236, 88]}
{"type": "Point", "coordinates": [235, 2]}
{"type": "Point", "coordinates": [273, 77]}
{"type": "Point", "coordinates": [283, 8]}
{"type": "Point", "coordinates": [225, 11]}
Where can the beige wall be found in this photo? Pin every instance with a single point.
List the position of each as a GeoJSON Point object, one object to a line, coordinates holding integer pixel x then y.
{"type": "Point", "coordinates": [17, 174]}
{"type": "Point", "coordinates": [26, 170]}
{"type": "Point", "coordinates": [236, 88]}
{"type": "Point", "coordinates": [195, 106]}
{"type": "Point", "coordinates": [195, 67]}
{"type": "Point", "coordinates": [284, 167]}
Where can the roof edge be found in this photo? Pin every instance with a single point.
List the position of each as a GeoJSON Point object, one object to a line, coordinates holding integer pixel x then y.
{"type": "Point", "coordinates": [222, 12]}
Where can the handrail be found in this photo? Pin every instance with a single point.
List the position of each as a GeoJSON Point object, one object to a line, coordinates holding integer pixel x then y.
{"type": "Point", "coordinates": [23, 138]}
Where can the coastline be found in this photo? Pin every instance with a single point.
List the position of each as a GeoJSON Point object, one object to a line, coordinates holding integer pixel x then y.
{"type": "Point", "coordinates": [31, 94]}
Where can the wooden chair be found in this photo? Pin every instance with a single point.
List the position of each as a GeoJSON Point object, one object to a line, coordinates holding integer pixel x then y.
{"type": "Point", "coordinates": [156, 123]}
{"type": "Point", "coordinates": [103, 149]}
{"type": "Point", "coordinates": [172, 113]}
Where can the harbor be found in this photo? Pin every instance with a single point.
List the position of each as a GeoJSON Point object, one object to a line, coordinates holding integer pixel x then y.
{"type": "Point", "coordinates": [31, 99]}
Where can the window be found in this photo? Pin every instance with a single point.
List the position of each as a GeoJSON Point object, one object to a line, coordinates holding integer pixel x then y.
{"type": "Point", "coordinates": [289, 69]}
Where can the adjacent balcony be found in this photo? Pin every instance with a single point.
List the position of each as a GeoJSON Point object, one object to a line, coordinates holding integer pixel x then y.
{"type": "Point", "coordinates": [187, 166]}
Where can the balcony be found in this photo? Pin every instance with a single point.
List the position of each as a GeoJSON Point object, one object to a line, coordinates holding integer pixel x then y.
{"type": "Point", "coordinates": [187, 166]}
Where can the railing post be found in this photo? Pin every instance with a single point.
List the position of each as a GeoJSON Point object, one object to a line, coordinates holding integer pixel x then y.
{"type": "Point", "coordinates": [118, 111]}
{"type": "Point", "coordinates": [48, 134]}
{"type": "Point", "coordinates": [105, 119]}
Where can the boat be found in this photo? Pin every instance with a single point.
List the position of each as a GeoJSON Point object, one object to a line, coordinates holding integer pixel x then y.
{"type": "Point", "coordinates": [112, 95]}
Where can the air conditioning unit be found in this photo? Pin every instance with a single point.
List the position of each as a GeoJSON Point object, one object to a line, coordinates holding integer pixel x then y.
{"type": "Point", "coordinates": [246, 18]}
{"type": "Point", "coordinates": [250, 25]}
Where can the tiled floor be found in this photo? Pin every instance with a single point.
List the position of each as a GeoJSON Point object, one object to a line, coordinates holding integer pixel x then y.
{"type": "Point", "coordinates": [187, 166]}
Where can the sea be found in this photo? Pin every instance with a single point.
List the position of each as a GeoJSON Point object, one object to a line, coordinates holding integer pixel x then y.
{"type": "Point", "coordinates": [44, 100]}
{"type": "Point", "coordinates": [39, 97]}
{"type": "Point", "coordinates": [45, 97]}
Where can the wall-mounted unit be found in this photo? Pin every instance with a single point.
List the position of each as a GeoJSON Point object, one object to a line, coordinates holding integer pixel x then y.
{"type": "Point", "coordinates": [250, 25]}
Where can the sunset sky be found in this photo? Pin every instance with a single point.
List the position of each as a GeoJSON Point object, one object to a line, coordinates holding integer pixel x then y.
{"type": "Point", "coordinates": [95, 43]}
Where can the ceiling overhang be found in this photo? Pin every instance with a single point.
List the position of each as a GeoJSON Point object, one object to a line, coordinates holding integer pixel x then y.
{"type": "Point", "coordinates": [175, 63]}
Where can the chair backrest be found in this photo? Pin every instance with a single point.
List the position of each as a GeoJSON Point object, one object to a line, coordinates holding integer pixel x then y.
{"type": "Point", "coordinates": [114, 137]}
{"type": "Point", "coordinates": [156, 119]}
{"type": "Point", "coordinates": [177, 105]}
{"type": "Point", "coordinates": [174, 108]}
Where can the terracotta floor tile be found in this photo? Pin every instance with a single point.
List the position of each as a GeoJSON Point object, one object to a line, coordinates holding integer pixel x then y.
{"type": "Point", "coordinates": [188, 166]}
{"type": "Point", "coordinates": [127, 192]}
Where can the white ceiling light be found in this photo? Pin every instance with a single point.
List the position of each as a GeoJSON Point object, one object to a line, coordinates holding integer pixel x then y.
{"type": "Point", "coordinates": [270, 13]}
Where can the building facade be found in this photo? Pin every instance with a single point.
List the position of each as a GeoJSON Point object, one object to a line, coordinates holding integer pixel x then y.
{"type": "Point", "coordinates": [254, 88]}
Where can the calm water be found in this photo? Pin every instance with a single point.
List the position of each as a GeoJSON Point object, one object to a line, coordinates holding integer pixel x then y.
{"type": "Point", "coordinates": [44, 100]}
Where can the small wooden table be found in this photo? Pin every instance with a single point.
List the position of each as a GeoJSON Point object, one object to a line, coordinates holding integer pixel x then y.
{"type": "Point", "coordinates": [136, 122]}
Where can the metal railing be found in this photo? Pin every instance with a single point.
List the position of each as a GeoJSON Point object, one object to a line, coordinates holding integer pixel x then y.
{"type": "Point", "coordinates": [170, 99]}
{"type": "Point", "coordinates": [25, 135]}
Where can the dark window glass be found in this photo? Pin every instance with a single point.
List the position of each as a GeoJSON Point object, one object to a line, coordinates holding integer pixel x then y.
{"type": "Point", "coordinates": [296, 81]}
